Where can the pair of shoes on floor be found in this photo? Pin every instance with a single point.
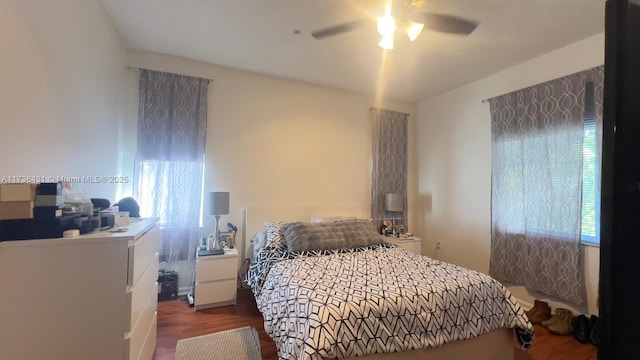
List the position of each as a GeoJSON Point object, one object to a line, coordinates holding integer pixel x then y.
{"type": "Point", "coordinates": [539, 312]}
{"type": "Point", "coordinates": [561, 323]}
{"type": "Point", "coordinates": [587, 329]}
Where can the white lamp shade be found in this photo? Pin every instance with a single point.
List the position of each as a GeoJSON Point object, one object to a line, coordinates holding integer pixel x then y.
{"type": "Point", "coordinates": [219, 203]}
{"type": "Point", "coordinates": [386, 43]}
{"type": "Point", "coordinates": [414, 30]}
{"type": "Point", "coordinates": [394, 202]}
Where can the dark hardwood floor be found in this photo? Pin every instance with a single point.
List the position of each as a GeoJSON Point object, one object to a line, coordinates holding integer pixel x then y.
{"type": "Point", "coordinates": [176, 321]}
{"type": "Point", "coordinates": [548, 346]}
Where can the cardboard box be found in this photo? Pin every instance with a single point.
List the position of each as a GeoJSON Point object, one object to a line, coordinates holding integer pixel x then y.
{"type": "Point", "coordinates": [17, 192]}
{"type": "Point", "coordinates": [16, 210]}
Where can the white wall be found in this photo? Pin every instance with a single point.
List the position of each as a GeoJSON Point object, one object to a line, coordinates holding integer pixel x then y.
{"type": "Point", "coordinates": [454, 161]}
{"type": "Point", "coordinates": [62, 67]}
{"type": "Point", "coordinates": [275, 142]}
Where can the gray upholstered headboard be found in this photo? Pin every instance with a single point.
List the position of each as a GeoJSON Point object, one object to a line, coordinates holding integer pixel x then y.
{"type": "Point", "coordinates": [255, 217]}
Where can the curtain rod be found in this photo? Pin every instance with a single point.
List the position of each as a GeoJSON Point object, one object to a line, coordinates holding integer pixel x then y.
{"type": "Point", "coordinates": [139, 68]}
{"type": "Point", "coordinates": [544, 82]}
{"type": "Point", "coordinates": [400, 112]}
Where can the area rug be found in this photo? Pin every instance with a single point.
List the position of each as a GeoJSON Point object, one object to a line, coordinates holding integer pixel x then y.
{"type": "Point", "coordinates": [236, 344]}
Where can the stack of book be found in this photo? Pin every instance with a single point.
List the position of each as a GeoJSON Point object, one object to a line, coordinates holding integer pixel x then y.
{"type": "Point", "coordinates": [17, 201]}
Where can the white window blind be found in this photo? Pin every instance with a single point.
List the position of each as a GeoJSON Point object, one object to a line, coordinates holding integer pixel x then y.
{"type": "Point", "coordinates": [590, 172]}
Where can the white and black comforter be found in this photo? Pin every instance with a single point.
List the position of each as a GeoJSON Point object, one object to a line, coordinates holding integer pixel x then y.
{"type": "Point", "coordinates": [355, 302]}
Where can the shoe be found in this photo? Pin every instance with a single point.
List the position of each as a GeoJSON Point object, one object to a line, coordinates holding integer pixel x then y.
{"type": "Point", "coordinates": [555, 318]}
{"type": "Point", "coordinates": [581, 329]}
{"type": "Point", "coordinates": [594, 325]}
{"type": "Point", "coordinates": [539, 312]}
{"type": "Point", "coordinates": [552, 320]}
{"type": "Point", "coordinates": [564, 323]}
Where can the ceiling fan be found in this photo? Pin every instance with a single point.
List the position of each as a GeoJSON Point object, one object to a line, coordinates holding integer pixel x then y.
{"type": "Point", "coordinates": [406, 15]}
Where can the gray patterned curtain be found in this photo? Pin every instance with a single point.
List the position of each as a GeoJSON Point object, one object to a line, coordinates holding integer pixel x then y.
{"type": "Point", "coordinates": [389, 170]}
{"type": "Point", "coordinates": [172, 124]}
{"type": "Point", "coordinates": [536, 188]}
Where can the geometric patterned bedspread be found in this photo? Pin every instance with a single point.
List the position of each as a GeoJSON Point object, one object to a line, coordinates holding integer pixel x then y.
{"type": "Point", "coordinates": [377, 299]}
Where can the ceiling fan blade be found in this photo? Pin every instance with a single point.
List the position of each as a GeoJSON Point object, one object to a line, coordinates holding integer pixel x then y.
{"type": "Point", "coordinates": [338, 29]}
{"type": "Point", "coordinates": [449, 24]}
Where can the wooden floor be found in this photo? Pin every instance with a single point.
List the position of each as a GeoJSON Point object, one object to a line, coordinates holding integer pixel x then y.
{"type": "Point", "coordinates": [548, 346]}
{"type": "Point", "coordinates": [176, 320]}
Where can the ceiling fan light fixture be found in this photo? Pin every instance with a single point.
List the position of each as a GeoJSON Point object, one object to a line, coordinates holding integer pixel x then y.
{"type": "Point", "coordinates": [414, 29]}
{"type": "Point", "coordinates": [386, 25]}
{"type": "Point", "coordinates": [386, 43]}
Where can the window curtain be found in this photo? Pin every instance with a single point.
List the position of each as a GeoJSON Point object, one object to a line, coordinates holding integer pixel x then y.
{"type": "Point", "coordinates": [536, 188]}
{"type": "Point", "coordinates": [172, 124]}
{"type": "Point", "coordinates": [389, 168]}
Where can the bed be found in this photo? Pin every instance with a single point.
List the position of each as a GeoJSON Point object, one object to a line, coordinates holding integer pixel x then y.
{"type": "Point", "coordinates": [375, 301]}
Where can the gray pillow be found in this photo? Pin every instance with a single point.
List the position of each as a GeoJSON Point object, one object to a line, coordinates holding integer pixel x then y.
{"type": "Point", "coordinates": [345, 234]}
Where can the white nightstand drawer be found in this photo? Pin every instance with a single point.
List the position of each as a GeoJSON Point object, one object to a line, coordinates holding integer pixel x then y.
{"type": "Point", "coordinates": [413, 244]}
{"type": "Point", "coordinates": [210, 268]}
{"type": "Point", "coordinates": [215, 292]}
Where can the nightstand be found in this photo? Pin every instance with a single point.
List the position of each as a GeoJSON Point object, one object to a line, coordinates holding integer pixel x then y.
{"type": "Point", "coordinates": [216, 280]}
{"type": "Point", "coordinates": [412, 244]}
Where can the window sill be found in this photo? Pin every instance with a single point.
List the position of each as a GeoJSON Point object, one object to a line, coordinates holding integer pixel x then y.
{"type": "Point", "coordinates": [590, 244]}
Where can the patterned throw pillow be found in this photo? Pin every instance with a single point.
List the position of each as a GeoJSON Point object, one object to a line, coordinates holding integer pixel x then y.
{"type": "Point", "coordinates": [274, 233]}
{"type": "Point", "coordinates": [315, 219]}
{"type": "Point", "coordinates": [345, 234]}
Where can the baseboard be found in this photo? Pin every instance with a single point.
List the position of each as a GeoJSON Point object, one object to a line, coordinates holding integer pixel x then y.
{"type": "Point", "coordinates": [183, 290]}
{"type": "Point", "coordinates": [526, 305]}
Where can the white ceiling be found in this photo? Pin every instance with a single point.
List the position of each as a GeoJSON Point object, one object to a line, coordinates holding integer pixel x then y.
{"type": "Point", "coordinates": [258, 36]}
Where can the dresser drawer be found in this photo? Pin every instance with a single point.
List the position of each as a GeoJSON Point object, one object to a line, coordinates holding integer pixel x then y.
{"type": "Point", "coordinates": [215, 292]}
{"type": "Point", "coordinates": [212, 269]}
{"type": "Point", "coordinates": [141, 253]}
{"type": "Point", "coordinates": [149, 344]}
{"type": "Point", "coordinates": [136, 338]}
{"type": "Point", "coordinates": [138, 294]}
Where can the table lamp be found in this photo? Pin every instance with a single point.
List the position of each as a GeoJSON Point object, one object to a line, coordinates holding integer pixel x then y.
{"type": "Point", "coordinates": [219, 206]}
{"type": "Point", "coordinates": [394, 203]}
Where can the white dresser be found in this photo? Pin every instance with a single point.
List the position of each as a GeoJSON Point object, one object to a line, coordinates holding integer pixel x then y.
{"type": "Point", "coordinates": [216, 280]}
{"type": "Point", "coordinates": [90, 297]}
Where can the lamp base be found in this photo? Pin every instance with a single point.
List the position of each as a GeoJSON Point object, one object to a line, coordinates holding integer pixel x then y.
{"type": "Point", "coordinates": [213, 242]}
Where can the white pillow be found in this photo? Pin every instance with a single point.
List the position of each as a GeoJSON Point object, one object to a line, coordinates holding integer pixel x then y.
{"type": "Point", "coordinates": [259, 241]}
{"type": "Point", "coordinates": [315, 219]}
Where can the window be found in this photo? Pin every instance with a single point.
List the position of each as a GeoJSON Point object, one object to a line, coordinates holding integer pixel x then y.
{"type": "Point", "coordinates": [164, 191]}
{"type": "Point", "coordinates": [524, 160]}
{"type": "Point", "coordinates": [544, 172]}
{"type": "Point", "coordinates": [172, 124]}
{"type": "Point", "coordinates": [526, 168]}
{"type": "Point", "coordinates": [590, 173]}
